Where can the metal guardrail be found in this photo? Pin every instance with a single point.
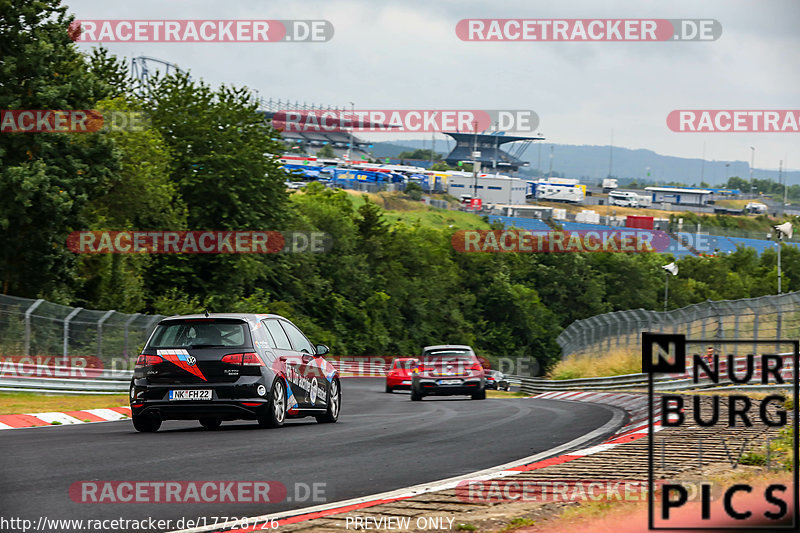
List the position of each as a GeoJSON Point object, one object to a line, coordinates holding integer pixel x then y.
{"type": "Point", "coordinates": [661, 383]}
{"type": "Point", "coordinates": [637, 381]}
{"type": "Point", "coordinates": [69, 380]}
{"type": "Point", "coordinates": [46, 380]}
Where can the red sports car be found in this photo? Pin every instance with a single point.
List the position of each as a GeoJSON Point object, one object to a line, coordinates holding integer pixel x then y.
{"type": "Point", "coordinates": [399, 376]}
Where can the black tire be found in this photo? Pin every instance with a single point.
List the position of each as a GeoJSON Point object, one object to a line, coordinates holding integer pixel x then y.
{"type": "Point", "coordinates": [388, 388]}
{"type": "Point", "coordinates": [146, 423]}
{"type": "Point", "coordinates": [275, 416]}
{"type": "Point", "coordinates": [415, 396]}
{"type": "Point", "coordinates": [480, 395]}
{"type": "Point", "coordinates": [334, 404]}
{"type": "Point", "coordinates": [211, 423]}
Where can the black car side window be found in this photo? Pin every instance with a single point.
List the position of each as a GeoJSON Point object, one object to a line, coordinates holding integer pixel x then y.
{"type": "Point", "coordinates": [299, 340]}
{"type": "Point", "coordinates": [279, 338]}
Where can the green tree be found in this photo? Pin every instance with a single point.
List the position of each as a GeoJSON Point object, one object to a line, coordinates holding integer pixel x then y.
{"type": "Point", "coordinates": [326, 151]}
{"type": "Point", "coordinates": [414, 191]}
{"type": "Point", "coordinates": [735, 182]}
{"type": "Point", "coordinates": [46, 179]}
{"type": "Point", "coordinates": [139, 196]}
{"type": "Point", "coordinates": [419, 153]}
{"type": "Point", "coordinates": [221, 168]}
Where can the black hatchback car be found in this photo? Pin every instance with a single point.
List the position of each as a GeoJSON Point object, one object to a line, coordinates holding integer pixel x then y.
{"type": "Point", "coordinates": [217, 367]}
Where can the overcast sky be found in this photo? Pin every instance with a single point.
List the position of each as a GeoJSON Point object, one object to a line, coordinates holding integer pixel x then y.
{"type": "Point", "coordinates": [393, 54]}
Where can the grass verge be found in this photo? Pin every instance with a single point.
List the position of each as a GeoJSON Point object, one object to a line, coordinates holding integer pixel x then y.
{"type": "Point", "coordinates": [613, 363]}
{"type": "Point", "coordinates": [14, 403]}
{"type": "Point", "coordinates": [490, 393]}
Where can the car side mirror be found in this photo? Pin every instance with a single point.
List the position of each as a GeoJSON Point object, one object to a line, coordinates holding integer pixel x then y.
{"type": "Point", "coordinates": [322, 349]}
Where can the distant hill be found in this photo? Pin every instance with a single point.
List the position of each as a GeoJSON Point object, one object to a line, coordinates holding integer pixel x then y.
{"type": "Point", "coordinates": [591, 163]}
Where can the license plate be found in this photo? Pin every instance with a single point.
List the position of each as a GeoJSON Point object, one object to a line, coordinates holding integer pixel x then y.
{"type": "Point", "coordinates": [449, 382]}
{"type": "Point", "coordinates": [406, 383]}
{"type": "Point", "coordinates": [190, 394]}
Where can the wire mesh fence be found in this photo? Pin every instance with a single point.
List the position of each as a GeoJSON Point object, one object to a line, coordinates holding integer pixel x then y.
{"type": "Point", "coordinates": [764, 318]}
{"type": "Point", "coordinates": [37, 329]}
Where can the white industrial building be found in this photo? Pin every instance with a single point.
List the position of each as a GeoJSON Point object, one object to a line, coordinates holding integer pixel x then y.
{"type": "Point", "coordinates": [490, 189]}
{"type": "Point", "coordinates": [679, 195]}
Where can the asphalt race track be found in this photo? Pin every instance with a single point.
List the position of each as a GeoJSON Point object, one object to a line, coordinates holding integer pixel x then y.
{"type": "Point", "coordinates": [381, 442]}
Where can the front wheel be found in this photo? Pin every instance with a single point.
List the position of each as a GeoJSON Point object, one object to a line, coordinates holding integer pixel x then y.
{"type": "Point", "coordinates": [146, 423]}
{"type": "Point", "coordinates": [334, 404]}
{"type": "Point", "coordinates": [388, 388]}
{"type": "Point", "coordinates": [276, 409]}
{"type": "Point", "coordinates": [415, 395]}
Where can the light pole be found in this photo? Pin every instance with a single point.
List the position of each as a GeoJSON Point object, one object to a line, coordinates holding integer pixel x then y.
{"type": "Point", "coordinates": [781, 230]}
{"type": "Point", "coordinates": [752, 162]}
{"type": "Point", "coordinates": [539, 163]}
{"type": "Point", "coordinates": [474, 160]}
{"type": "Point", "coordinates": [783, 181]}
{"type": "Point", "coordinates": [496, 146]}
{"type": "Point", "coordinates": [352, 127]}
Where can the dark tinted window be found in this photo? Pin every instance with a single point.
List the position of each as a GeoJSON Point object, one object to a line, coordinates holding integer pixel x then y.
{"type": "Point", "coordinates": [200, 333]}
{"type": "Point", "coordinates": [299, 340]}
{"type": "Point", "coordinates": [261, 338]}
{"type": "Point", "coordinates": [279, 338]}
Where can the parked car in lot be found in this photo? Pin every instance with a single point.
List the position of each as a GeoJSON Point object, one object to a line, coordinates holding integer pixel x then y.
{"type": "Point", "coordinates": [217, 367]}
{"type": "Point", "coordinates": [399, 375]}
{"type": "Point", "coordinates": [496, 380]}
{"type": "Point", "coordinates": [448, 370]}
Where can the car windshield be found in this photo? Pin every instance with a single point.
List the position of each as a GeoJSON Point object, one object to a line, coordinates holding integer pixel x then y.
{"type": "Point", "coordinates": [197, 334]}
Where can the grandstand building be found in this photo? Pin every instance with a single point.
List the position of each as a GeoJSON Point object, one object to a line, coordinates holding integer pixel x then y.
{"type": "Point", "coordinates": [492, 157]}
{"type": "Point", "coordinates": [310, 142]}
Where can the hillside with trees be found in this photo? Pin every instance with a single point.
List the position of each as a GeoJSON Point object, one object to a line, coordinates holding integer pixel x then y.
{"type": "Point", "coordinates": [388, 286]}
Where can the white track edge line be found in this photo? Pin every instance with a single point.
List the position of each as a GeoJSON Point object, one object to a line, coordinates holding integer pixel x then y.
{"type": "Point", "coordinates": [434, 486]}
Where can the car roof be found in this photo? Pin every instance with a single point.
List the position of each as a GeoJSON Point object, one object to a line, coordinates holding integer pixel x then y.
{"type": "Point", "coordinates": [446, 346]}
{"type": "Point", "coordinates": [252, 318]}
